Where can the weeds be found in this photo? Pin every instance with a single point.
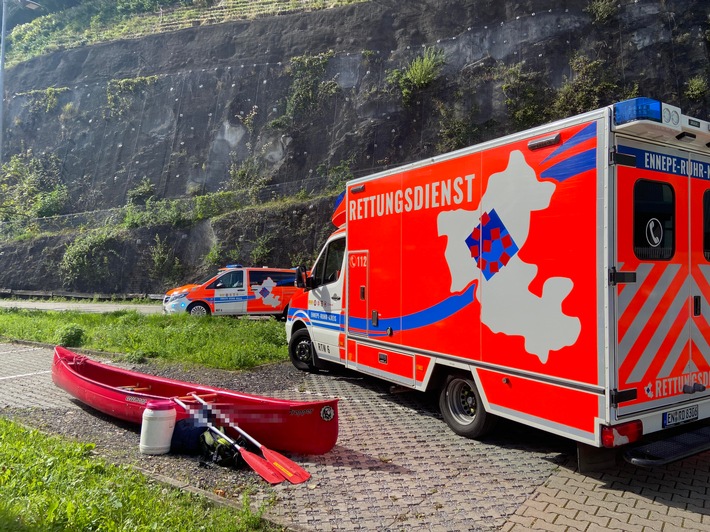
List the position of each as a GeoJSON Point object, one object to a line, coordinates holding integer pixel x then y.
{"type": "Point", "coordinates": [48, 483]}
{"type": "Point", "coordinates": [119, 92]}
{"type": "Point", "coordinates": [603, 11]}
{"type": "Point", "coordinates": [697, 88]}
{"type": "Point", "coordinates": [308, 87]}
{"type": "Point", "coordinates": [86, 264]}
{"type": "Point", "coordinates": [43, 100]}
{"type": "Point", "coordinates": [420, 73]}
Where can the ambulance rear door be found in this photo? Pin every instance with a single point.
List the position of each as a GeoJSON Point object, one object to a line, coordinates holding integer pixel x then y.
{"type": "Point", "coordinates": [659, 280]}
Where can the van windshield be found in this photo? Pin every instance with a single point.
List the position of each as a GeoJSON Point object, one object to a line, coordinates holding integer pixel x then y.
{"type": "Point", "coordinates": [206, 279]}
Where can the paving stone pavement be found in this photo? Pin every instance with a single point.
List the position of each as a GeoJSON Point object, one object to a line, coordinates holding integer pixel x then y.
{"type": "Point", "coordinates": [398, 467]}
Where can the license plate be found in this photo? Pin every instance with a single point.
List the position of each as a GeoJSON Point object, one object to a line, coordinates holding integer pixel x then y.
{"type": "Point", "coordinates": [682, 415]}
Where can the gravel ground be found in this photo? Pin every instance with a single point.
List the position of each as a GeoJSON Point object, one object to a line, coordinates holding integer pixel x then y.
{"type": "Point", "coordinates": [118, 442]}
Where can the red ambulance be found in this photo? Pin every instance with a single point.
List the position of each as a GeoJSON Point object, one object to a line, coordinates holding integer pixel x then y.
{"type": "Point", "coordinates": [235, 291]}
{"type": "Point", "coordinates": [558, 277]}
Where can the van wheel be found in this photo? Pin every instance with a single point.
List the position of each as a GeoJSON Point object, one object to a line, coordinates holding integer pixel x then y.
{"type": "Point", "coordinates": [301, 352]}
{"type": "Point", "coordinates": [462, 408]}
{"type": "Point", "coordinates": [199, 309]}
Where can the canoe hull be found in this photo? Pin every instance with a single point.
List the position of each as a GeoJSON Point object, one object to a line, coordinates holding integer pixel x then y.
{"type": "Point", "coordinates": [302, 427]}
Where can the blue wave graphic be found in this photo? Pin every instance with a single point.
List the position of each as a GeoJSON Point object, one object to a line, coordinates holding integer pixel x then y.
{"type": "Point", "coordinates": [572, 166]}
{"type": "Point", "coordinates": [585, 134]}
{"type": "Point", "coordinates": [423, 318]}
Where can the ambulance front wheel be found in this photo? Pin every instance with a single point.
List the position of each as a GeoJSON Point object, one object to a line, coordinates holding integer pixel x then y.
{"type": "Point", "coordinates": [199, 309]}
{"type": "Point", "coordinates": [462, 408]}
{"type": "Point", "coordinates": [301, 352]}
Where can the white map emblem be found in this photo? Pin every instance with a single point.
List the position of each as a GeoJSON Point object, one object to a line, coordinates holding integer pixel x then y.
{"type": "Point", "coordinates": [265, 291]}
{"type": "Point", "coordinates": [507, 305]}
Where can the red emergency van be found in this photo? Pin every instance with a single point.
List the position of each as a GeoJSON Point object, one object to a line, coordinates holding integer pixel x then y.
{"type": "Point", "coordinates": [235, 291]}
{"type": "Point", "coordinates": [558, 277]}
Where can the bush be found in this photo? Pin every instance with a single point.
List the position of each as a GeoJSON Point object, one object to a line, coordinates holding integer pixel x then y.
{"type": "Point", "coordinates": [420, 73]}
{"type": "Point", "coordinates": [70, 335]}
{"type": "Point", "coordinates": [87, 260]}
{"type": "Point", "coordinates": [527, 95]}
{"type": "Point", "coordinates": [308, 87]}
{"type": "Point", "coordinates": [590, 88]}
{"type": "Point", "coordinates": [602, 11]}
{"type": "Point", "coordinates": [697, 88]}
{"type": "Point", "coordinates": [142, 192]}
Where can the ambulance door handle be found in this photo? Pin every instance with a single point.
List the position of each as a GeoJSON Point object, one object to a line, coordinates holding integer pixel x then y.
{"type": "Point", "coordinates": [362, 293]}
{"type": "Point", "coordinates": [696, 306]}
{"type": "Point", "coordinates": [335, 297]}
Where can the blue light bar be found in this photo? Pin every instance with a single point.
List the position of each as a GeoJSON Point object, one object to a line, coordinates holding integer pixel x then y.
{"type": "Point", "coordinates": [233, 266]}
{"type": "Point", "coordinates": [637, 109]}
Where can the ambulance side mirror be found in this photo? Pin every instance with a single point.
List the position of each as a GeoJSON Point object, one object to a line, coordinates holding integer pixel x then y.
{"type": "Point", "coordinates": [301, 278]}
{"type": "Point", "coordinates": [311, 283]}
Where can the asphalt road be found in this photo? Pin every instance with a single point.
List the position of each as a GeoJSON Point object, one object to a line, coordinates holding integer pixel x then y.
{"type": "Point", "coordinates": [83, 306]}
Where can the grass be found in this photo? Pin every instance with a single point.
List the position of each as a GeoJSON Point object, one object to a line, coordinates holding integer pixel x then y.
{"type": "Point", "coordinates": [217, 342]}
{"type": "Point", "coordinates": [48, 483]}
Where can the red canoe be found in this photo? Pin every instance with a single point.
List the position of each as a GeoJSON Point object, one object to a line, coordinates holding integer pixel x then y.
{"type": "Point", "coordinates": [295, 426]}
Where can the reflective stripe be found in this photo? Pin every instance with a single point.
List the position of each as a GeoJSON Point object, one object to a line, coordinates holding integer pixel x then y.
{"type": "Point", "coordinates": [629, 290]}
{"type": "Point", "coordinates": [647, 310]}
{"type": "Point", "coordinates": [662, 333]}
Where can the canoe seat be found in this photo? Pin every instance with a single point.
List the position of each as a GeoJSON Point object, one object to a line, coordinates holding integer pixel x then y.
{"type": "Point", "coordinates": [134, 388]}
{"type": "Point", "coordinates": [204, 396]}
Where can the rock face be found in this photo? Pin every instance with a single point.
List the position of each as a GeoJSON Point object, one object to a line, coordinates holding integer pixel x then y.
{"type": "Point", "coordinates": [297, 102]}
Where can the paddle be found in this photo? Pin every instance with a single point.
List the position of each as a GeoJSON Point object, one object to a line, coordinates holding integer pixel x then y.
{"type": "Point", "coordinates": [263, 468]}
{"type": "Point", "coordinates": [293, 472]}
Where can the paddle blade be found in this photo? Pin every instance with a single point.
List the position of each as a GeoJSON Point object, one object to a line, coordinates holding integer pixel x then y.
{"type": "Point", "coordinates": [290, 470]}
{"type": "Point", "coordinates": [263, 468]}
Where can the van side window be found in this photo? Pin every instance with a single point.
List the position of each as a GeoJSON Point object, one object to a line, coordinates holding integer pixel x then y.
{"type": "Point", "coordinates": [654, 220]}
{"type": "Point", "coordinates": [257, 277]}
{"type": "Point", "coordinates": [706, 225]}
{"type": "Point", "coordinates": [231, 280]}
{"type": "Point", "coordinates": [328, 269]}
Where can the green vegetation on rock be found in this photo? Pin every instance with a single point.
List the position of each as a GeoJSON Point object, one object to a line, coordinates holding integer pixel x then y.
{"type": "Point", "coordinates": [95, 21]}
{"type": "Point", "coordinates": [121, 92]}
{"type": "Point", "coordinates": [31, 187]}
{"type": "Point", "coordinates": [418, 75]}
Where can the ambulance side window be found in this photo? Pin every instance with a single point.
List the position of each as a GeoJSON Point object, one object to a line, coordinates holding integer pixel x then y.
{"type": "Point", "coordinates": [328, 268]}
{"type": "Point", "coordinates": [706, 225]}
{"type": "Point", "coordinates": [654, 220]}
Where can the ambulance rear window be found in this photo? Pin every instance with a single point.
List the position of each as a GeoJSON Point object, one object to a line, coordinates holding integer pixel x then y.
{"type": "Point", "coordinates": [654, 220]}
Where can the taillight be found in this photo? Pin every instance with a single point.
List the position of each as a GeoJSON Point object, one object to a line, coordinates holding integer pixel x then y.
{"type": "Point", "coordinates": [622, 434]}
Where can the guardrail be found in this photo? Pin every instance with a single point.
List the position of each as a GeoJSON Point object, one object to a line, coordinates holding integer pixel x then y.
{"type": "Point", "coordinates": [42, 294]}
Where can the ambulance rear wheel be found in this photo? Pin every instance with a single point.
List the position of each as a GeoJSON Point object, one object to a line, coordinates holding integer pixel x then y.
{"type": "Point", "coordinates": [199, 309]}
{"type": "Point", "coordinates": [301, 352]}
{"type": "Point", "coordinates": [462, 408]}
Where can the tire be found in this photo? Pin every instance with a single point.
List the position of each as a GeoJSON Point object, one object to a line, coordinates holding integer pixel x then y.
{"type": "Point", "coordinates": [198, 309]}
{"type": "Point", "coordinates": [301, 352]}
{"type": "Point", "coordinates": [462, 409]}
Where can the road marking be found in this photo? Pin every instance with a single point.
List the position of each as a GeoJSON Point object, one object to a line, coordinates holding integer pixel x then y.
{"type": "Point", "coordinates": [26, 375]}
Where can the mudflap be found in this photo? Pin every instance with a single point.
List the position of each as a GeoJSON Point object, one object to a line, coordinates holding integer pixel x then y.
{"type": "Point", "coordinates": [591, 459]}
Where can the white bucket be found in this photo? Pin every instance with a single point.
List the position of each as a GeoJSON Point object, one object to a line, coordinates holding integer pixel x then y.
{"type": "Point", "coordinates": [157, 427]}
